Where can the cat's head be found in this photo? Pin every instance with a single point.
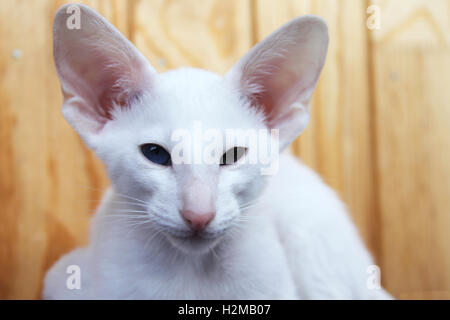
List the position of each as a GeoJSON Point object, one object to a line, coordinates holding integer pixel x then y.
{"type": "Point", "coordinates": [152, 130]}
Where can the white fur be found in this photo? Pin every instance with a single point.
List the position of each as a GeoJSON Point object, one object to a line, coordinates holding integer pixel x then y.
{"type": "Point", "coordinates": [286, 236]}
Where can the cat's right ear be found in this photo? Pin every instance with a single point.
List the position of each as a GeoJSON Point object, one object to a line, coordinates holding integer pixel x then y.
{"type": "Point", "coordinates": [279, 74]}
{"type": "Point", "coordinates": [99, 69]}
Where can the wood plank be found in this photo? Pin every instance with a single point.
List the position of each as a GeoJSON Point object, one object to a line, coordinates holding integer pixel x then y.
{"type": "Point", "coordinates": [411, 76]}
{"type": "Point", "coordinates": [48, 177]}
{"type": "Point", "coordinates": [211, 35]}
{"type": "Point", "coordinates": [388, 157]}
{"type": "Point", "coordinates": [337, 142]}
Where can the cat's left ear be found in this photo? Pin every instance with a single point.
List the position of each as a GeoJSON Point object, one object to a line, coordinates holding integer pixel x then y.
{"type": "Point", "coordinates": [279, 74]}
{"type": "Point", "coordinates": [99, 69]}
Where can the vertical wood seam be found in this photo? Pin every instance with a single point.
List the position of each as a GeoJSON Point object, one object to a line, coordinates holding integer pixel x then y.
{"type": "Point", "coordinates": [131, 12]}
{"type": "Point", "coordinates": [254, 25]}
{"type": "Point", "coordinates": [376, 234]}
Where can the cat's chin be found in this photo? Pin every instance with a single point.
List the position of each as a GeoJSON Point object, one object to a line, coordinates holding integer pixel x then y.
{"type": "Point", "coordinates": [194, 244]}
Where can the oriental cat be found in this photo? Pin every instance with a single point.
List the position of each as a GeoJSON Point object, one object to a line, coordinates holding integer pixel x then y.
{"type": "Point", "coordinates": [191, 213]}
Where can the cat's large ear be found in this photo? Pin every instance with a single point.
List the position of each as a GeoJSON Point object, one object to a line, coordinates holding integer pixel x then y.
{"type": "Point", "coordinates": [99, 69]}
{"type": "Point", "coordinates": [279, 74]}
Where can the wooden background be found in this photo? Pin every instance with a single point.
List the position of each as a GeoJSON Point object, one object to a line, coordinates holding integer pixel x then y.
{"type": "Point", "coordinates": [379, 133]}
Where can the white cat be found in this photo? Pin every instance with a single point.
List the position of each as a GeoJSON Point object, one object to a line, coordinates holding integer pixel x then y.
{"type": "Point", "coordinates": [168, 230]}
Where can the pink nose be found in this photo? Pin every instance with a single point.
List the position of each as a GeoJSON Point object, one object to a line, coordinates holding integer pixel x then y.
{"type": "Point", "coordinates": [197, 221]}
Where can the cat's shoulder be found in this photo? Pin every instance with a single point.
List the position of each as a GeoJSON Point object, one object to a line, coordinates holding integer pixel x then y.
{"type": "Point", "coordinates": [296, 195]}
{"type": "Point", "coordinates": [295, 184]}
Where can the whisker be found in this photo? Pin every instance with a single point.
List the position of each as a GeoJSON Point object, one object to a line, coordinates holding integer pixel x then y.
{"type": "Point", "coordinates": [130, 197]}
{"type": "Point", "coordinates": [153, 236]}
{"type": "Point", "coordinates": [131, 211]}
{"type": "Point", "coordinates": [215, 255]}
{"type": "Point", "coordinates": [136, 225]}
{"type": "Point", "coordinates": [120, 202]}
{"type": "Point", "coordinates": [249, 205]}
{"type": "Point", "coordinates": [254, 201]}
{"type": "Point", "coordinates": [132, 215]}
{"type": "Point", "coordinates": [118, 193]}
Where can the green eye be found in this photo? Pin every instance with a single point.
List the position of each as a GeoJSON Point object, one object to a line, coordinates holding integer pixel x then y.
{"type": "Point", "coordinates": [156, 154]}
{"type": "Point", "coordinates": [232, 156]}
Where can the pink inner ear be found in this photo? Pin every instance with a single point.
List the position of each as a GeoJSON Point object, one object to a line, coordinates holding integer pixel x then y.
{"type": "Point", "coordinates": [116, 97]}
{"type": "Point", "coordinates": [101, 86]}
{"type": "Point", "coordinates": [113, 82]}
{"type": "Point", "coordinates": [99, 70]}
{"type": "Point", "coordinates": [273, 86]}
{"type": "Point", "coordinates": [283, 69]}
{"type": "Point", "coordinates": [280, 85]}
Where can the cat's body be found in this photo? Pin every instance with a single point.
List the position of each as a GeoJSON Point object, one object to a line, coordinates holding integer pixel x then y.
{"type": "Point", "coordinates": [222, 224]}
{"type": "Point", "coordinates": [301, 244]}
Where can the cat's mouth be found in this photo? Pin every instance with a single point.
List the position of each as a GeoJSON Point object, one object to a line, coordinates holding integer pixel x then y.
{"type": "Point", "coordinates": [193, 242]}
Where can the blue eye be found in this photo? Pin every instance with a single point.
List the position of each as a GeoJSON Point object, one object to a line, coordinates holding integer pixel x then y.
{"type": "Point", "coordinates": [156, 154]}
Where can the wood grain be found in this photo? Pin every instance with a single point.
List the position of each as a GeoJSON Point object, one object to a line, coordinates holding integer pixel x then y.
{"type": "Point", "coordinates": [48, 176]}
{"type": "Point", "coordinates": [379, 132]}
{"type": "Point", "coordinates": [412, 109]}
{"type": "Point", "coordinates": [204, 34]}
